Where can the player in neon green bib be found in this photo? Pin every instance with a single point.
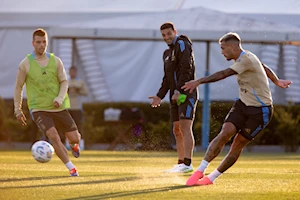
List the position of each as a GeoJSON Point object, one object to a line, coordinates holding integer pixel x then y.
{"type": "Point", "coordinates": [46, 89]}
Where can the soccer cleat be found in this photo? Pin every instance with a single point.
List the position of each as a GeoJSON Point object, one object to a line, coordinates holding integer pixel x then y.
{"type": "Point", "coordinates": [169, 170]}
{"type": "Point", "coordinates": [73, 172]}
{"type": "Point", "coordinates": [180, 168]}
{"type": "Point", "coordinates": [194, 178]}
{"type": "Point", "coordinates": [75, 151]}
{"type": "Point", "coordinates": [204, 181]}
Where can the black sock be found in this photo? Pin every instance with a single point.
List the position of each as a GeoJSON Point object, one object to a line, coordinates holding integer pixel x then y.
{"type": "Point", "coordinates": [180, 161]}
{"type": "Point", "coordinates": [187, 161]}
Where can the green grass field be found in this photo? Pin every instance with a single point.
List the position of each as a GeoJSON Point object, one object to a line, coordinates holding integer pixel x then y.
{"type": "Point", "coordinates": [139, 175]}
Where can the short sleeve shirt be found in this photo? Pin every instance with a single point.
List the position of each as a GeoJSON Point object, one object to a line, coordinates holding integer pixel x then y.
{"type": "Point", "coordinates": [253, 82]}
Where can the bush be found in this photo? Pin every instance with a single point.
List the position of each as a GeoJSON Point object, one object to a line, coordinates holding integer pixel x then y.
{"type": "Point", "coordinates": [156, 131]}
{"type": "Point", "coordinates": [288, 128]}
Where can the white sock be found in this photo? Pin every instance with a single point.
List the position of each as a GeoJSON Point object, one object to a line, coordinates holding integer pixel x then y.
{"type": "Point", "coordinates": [70, 165]}
{"type": "Point", "coordinates": [215, 174]}
{"type": "Point", "coordinates": [202, 167]}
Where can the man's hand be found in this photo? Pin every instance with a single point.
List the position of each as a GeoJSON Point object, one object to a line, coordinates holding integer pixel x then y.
{"type": "Point", "coordinates": [284, 83]}
{"type": "Point", "coordinates": [22, 119]}
{"type": "Point", "coordinates": [191, 85]}
{"type": "Point", "coordinates": [156, 101]}
{"type": "Point", "coordinates": [56, 104]}
{"type": "Point", "coordinates": [175, 97]}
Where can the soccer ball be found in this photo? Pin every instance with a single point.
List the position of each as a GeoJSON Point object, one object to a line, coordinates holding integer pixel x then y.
{"type": "Point", "coordinates": [42, 151]}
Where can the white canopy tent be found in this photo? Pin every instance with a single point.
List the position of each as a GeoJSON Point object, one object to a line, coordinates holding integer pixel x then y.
{"type": "Point", "coordinates": [126, 43]}
{"type": "Point", "coordinates": [136, 41]}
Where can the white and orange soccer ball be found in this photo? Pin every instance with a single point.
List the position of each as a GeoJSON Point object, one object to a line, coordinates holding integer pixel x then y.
{"type": "Point", "coordinates": [42, 151]}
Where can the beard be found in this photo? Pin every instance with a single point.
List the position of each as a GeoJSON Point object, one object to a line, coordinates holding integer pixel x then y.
{"type": "Point", "coordinates": [41, 51]}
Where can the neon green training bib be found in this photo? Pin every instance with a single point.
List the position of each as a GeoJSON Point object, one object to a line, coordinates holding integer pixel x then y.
{"type": "Point", "coordinates": [42, 85]}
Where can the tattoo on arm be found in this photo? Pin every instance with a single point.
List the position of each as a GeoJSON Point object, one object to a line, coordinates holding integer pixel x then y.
{"type": "Point", "coordinates": [271, 74]}
{"type": "Point", "coordinates": [218, 76]}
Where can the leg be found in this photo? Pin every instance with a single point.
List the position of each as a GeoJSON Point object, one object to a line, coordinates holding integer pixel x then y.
{"type": "Point", "coordinates": [188, 137]}
{"type": "Point", "coordinates": [214, 149]}
{"type": "Point", "coordinates": [59, 147]}
{"type": "Point", "coordinates": [255, 120]}
{"type": "Point", "coordinates": [234, 153]}
{"type": "Point", "coordinates": [73, 137]}
{"type": "Point", "coordinates": [216, 145]}
{"type": "Point", "coordinates": [179, 140]}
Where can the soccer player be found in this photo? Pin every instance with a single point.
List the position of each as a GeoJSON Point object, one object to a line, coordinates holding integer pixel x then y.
{"type": "Point", "coordinates": [179, 67]}
{"type": "Point", "coordinates": [77, 89]}
{"type": "Point", "coordinates": [46, 89]}
{"type": "Point", "coordinates": [250, 114]}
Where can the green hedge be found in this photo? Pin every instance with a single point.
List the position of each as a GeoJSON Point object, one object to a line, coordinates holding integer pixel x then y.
{"type": "Point", "coordinates": [284, 129]}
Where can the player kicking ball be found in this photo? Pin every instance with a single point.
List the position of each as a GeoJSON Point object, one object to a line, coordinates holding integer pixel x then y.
{"type": "Point", "coordinates": [249, 115]}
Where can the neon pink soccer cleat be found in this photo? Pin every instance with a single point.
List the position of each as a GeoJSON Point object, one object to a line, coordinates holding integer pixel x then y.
{"type": "Point", "coordinates": [194, 178]}
{"type": "Point", "coordinates": [204, 181]}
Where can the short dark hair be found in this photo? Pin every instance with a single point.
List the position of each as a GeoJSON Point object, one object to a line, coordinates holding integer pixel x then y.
{"type": "Point", "coordinates": [230, 37]}
{"type": "Point", "coordinates": [39, 32]}
{"type": "Point", "coordinates": [167, 25]}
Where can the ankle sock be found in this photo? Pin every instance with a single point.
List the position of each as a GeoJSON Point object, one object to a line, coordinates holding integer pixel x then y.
{"type": "Point", "coordinates": [70, 165]}
{"type": "Point", "coordinates": [204, 164]}
{"type": "Point", "coordinates": [187, 161]}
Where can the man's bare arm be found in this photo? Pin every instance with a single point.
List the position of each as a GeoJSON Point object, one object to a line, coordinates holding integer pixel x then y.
{"type": "Point", "coordinates": [271, 74]}
{"type": "Point", "coordinates": [217, 76]}
{"type": "Point", "coordinates": [20, 81]}
{"type": "Point", "coordinates": [273, 77]}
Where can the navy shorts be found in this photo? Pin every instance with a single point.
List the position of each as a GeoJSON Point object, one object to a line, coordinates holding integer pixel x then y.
{"type": "Point", "coordinates": [62, 121]}
{"type": "Point", "coordinates": [249, 120]}
{"type": "Point", "coordinates": [185, 110]}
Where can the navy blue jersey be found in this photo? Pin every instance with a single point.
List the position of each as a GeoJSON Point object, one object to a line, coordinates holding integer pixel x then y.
{"type": "Point", "coordinates": [179, 67]}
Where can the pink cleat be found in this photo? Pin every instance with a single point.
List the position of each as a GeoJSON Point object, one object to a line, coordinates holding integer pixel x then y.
{"type": "Point", "coordinates": [204, 181]}
{"type": "Point", "coordinates": [194, 178]}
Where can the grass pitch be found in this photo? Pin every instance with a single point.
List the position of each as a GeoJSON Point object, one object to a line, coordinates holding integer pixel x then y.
{"type": "Point", "coordinates": [139, 175]}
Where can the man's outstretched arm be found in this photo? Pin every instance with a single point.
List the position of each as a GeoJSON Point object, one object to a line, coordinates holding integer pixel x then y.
{"type": "Point", "coordinates": [191, 85]}
{"type": "Point", "coordinates": [273, 77]}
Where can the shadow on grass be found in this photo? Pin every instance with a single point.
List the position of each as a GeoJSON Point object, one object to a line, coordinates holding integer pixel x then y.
{"type": "Point", "coordinates": [129, 193]}
{"type": "Point", "coordinates": [70, 184]}
{"type": "Point", "coordinates": [39, 178]}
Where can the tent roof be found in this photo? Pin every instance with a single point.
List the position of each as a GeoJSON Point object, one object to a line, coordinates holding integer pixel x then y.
{"type": "Point", "coordinates": [199, 23]}
{"type": "Point", "coordinates": [91, 6]}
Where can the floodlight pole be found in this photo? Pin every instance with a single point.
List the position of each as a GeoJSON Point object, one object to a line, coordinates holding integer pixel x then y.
{"type": "Point", "coordinates": [206, 104]}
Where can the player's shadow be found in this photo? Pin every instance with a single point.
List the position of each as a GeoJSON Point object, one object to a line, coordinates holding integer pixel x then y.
{"type": "Point", "coordinates": [73, 183]}
{"type": "Point", "coordinates": [129, 193]}
{"type": "Point", "coordinates": [31, 178]}
{"type": "Point", "coordinates": [38, 178]}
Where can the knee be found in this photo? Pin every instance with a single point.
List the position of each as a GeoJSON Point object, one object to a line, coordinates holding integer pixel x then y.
{"type": "Point", "coordinates": [53, 135]}
{"type": "Point", "coordinates": [177, 132]}
{"type": "Point", "coordinates": [225, 136]}
{"type": "Point", "coordinates": [74, 136]}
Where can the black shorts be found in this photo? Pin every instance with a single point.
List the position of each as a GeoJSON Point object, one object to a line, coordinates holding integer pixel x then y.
{"type": "Point", "coordinates": [185, 110]}
{"type": "Point", "coordinates": [62, 121]}
{"type": "Point", "coordinates": [77, 115]}
{"type": "Point", "coordinates": [249, 120]}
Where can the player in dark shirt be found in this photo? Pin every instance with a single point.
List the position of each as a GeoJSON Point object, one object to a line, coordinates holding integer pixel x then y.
{"type": "Point", "coordinates": [179, 67]}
